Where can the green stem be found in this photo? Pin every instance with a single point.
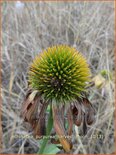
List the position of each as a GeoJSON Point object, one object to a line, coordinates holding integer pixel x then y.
{"type": "Point", "coordinates": [48, 131]}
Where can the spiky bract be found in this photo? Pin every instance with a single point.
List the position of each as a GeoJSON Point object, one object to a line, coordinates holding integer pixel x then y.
{"type": "Point", "coordinates": [59, 73]}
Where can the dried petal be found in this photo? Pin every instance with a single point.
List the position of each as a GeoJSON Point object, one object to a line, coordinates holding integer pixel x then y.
{"type": "Point", "coordinates": [70, 121]}
{"type": "Point", "coordinates": [59, 128]}
{"type": "Point", "coordinates": [77, 114]}
{"type": "Point", "coordinates": [30, 110]}
{"type": "Point", "coordinates": [91, 117]}
{"type": "Point", "coordinates": [84, 125]}
{"type": "Point", "coordinates": [90, 112]}
{"type": "Point", "coordinates": [30, 105]}
{"type": "Point", "coordinates": [39, 127]}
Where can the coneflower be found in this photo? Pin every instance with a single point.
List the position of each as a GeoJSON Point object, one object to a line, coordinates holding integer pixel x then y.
{"type": "Point", "coordinates": [58, 77]}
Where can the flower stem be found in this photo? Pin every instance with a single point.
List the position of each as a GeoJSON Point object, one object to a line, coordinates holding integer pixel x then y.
{"type": "Point", "coordinates": [48, 131]}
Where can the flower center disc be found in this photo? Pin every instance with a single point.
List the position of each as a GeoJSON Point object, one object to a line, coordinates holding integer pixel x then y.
{"type": "Point", "coordinates": [59, 73]}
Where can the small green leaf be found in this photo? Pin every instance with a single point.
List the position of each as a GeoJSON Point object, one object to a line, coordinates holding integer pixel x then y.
{"type": "Point", "coordinates": [51, 149]}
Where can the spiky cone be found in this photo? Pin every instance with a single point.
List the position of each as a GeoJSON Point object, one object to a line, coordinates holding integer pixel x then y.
{"type": "Point", "coordinates": [60, 75]}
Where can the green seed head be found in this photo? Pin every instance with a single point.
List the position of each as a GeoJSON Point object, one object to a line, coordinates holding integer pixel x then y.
{"type": "Point", "coordinates": [59, 73]}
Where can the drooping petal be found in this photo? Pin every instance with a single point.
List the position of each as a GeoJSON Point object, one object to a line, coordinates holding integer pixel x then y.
{"type": "Point", "coordinates": [84, 125]}
{"type": "Point", "coordinates": [89, 110]}
{"type": "Point", "coordinates": [39, 127]}
{"type": "Point", "coordinates": [30, 112]}
{"type": "Point", "coordinates": [70, 121]}
{"type": "Point", "coordinates": [30, 105]}
{"type": "Point", "coordinates": [63, 113]}
{"type": "Point", "coordinates": [59, 128]}
{"type": "Point", "coordinates": [77, 114]}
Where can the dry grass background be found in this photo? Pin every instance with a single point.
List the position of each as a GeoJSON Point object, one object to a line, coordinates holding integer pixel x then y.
{"type": "Point", "coordinates": [88, 26]}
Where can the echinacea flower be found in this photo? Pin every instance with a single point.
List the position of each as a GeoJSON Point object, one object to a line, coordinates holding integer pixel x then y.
{"type": "Point", "coordinates": [58, 76]}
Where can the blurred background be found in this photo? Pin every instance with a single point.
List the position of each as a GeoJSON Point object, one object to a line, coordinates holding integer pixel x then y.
{"type": "Point", "coordinates": [30, 27]}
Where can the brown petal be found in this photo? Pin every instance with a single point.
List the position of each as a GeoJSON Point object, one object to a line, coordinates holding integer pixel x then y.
{"type": "Point", "coordinates": [89, 110]}
{"type": "Point", "coordinates": [39, 128]}
{"type": "Point", "coordinates": [30, 113]}
{"type": "Point", "coordinates": [77, 114]}
{"type": "Point", "coordinates": [70, 121]}
{"type": "Point", "coordinates": [30, 105]}
{"type": "Point", "coordinates": [59, 128]}
{"type": "Point", "coordinates": [90, 117]}
{"type": "Point", "coordinates": [84, 125]}
{"type": "Point", "coordinates": [62, 114]}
